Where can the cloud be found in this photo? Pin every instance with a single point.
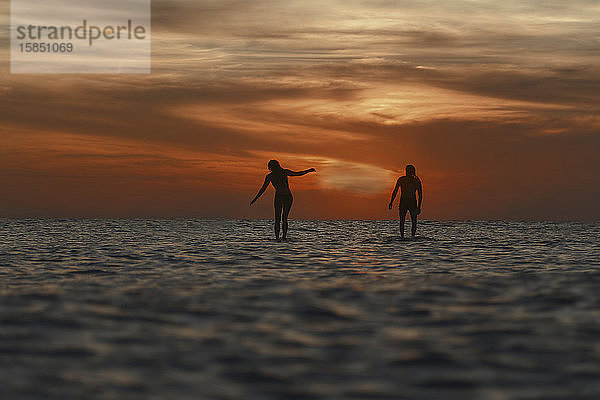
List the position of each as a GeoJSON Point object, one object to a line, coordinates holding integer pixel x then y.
{"type": "Point", "coordinates": [357, 178]}
{"type": "Point", "coordinates": [496, 104]}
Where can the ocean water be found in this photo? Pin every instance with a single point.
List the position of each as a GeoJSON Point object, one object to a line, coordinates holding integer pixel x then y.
{"type": "Point", "coordinates": [216, 309]}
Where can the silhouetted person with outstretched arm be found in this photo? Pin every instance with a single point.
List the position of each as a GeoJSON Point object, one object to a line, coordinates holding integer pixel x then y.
{"type": "Point", "coordinates": [410, 185]}
{"type": "Point", "coordinates": [283, 196]}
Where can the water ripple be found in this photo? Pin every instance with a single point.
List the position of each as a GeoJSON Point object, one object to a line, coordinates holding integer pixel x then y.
{"type": "Point", "coordinates": [154, 309]}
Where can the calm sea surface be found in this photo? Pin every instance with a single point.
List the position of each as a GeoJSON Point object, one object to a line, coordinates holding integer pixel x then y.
{"type": "Point", "coordinates": [216, 309]}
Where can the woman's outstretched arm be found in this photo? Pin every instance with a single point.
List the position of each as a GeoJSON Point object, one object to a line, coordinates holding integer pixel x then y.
{"type": "Point", "coordinates": [299, 173]}
{"type": "Point", "coordinates": [262, 189]}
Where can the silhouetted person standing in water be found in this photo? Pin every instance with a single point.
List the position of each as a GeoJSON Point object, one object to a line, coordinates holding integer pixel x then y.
{"type": "Point", "coordinates": [410, 185]}
{"type": "Point", "coordinates": [283, 196]}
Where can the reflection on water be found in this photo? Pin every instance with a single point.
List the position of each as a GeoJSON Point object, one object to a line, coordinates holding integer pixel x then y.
{"type": "Point", "coordinates": [207, 309]}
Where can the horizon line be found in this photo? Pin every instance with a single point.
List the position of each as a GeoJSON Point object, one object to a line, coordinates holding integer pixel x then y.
{"type": "Point", "coordinates": [214, 218]}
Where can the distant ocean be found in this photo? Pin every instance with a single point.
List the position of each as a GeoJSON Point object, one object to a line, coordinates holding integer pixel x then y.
{"type": "Point", "coordinates": [216, 309]}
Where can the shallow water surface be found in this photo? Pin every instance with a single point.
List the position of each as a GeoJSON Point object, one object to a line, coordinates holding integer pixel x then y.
{"type": "Point", "coordinates": [216, 309]}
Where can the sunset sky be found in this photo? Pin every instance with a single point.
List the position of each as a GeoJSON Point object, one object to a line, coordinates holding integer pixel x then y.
{"type": "Point", "coordinates": [497, 104]}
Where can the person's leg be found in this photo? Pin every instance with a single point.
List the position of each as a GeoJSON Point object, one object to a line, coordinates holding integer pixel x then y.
{"type": "Point", "coordinates": [413, 220]}
{"type": "Point", "coordinates": [402, 215]}
{"type": "Point", "coordinates": [287, 206]}
{"type": "Point", "coordinates": [278, 208]}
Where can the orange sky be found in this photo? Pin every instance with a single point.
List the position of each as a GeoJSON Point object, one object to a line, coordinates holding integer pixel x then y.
{"type": "Point", "coordinates": [497, 105]}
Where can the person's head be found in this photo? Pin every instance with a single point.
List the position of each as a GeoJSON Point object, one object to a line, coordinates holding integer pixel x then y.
{"type": "Point", "coordinates": [410, 170]}
{"type": "Point", "coordinates": [274, 165]}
